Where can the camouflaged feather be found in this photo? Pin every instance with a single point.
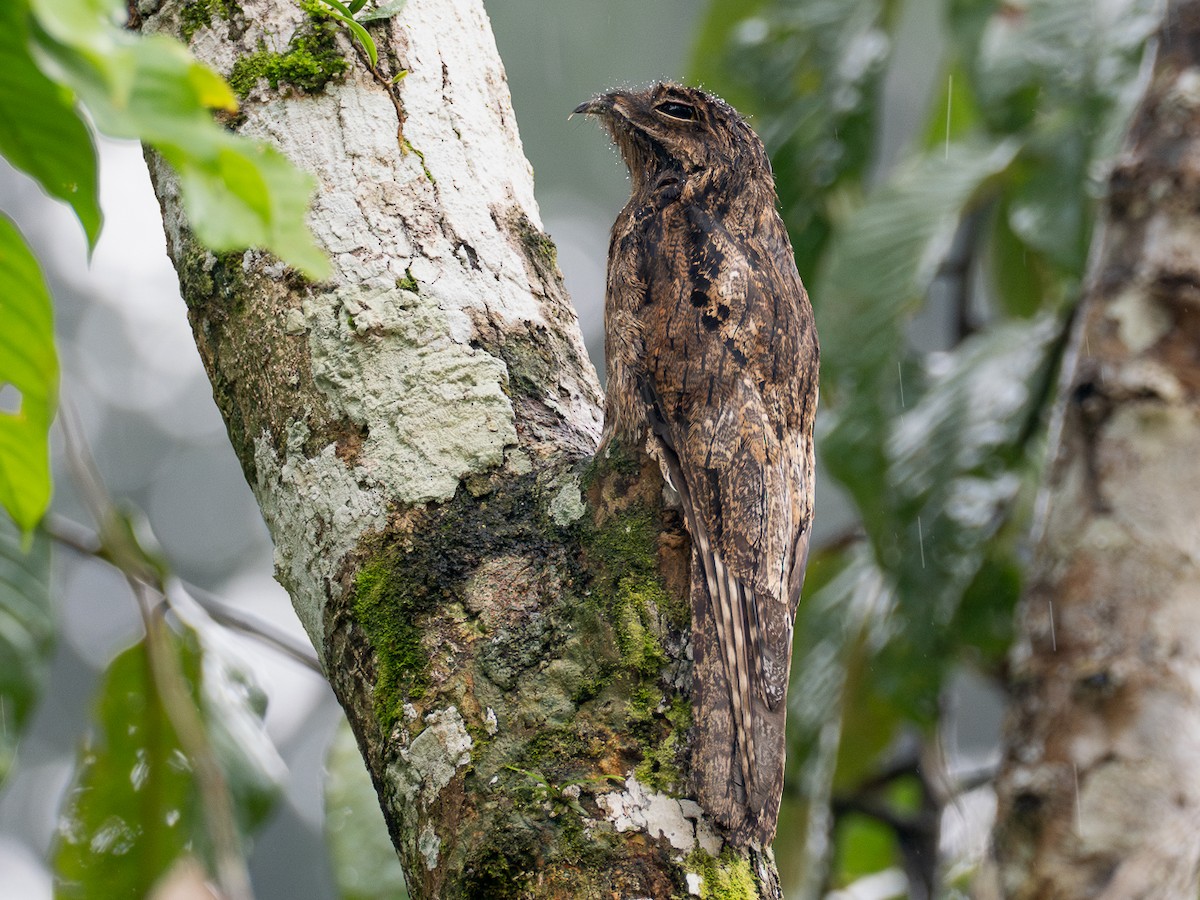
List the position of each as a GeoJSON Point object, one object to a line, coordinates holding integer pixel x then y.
{"type": "Point", "coordinates": [712, 352]}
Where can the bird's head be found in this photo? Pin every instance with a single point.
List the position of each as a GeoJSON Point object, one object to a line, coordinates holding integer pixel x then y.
{"type": "Point", "coordinates": [676, 127]}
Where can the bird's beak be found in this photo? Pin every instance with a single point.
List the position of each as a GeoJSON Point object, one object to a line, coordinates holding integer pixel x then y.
{"type": "Point", "coordinates": [598, 105]}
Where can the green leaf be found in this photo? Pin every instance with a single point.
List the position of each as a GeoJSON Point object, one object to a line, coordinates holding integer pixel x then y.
{"type": "Point", "coordinates": [359, 32]}
{"type": "Point", "coordinates": [82, 22]}
{"type": "Point", "coordinates": [42, 134]}
{"type": "Point", "coordinates": [984, 621]}
{"type": "Point", "coordinates": [237, 193]}
{"type": "Point", "coordinates": [29, 363]}
{"type": "Point", "coordinates": [1050, 207]}
{"type": "Point", "coordinates": [954, 113]}
{"type": "Point", "coordinates": [340, 7]}
{"type": "Point", "coordinates": [879, 270]}
{"type": "Point", "coordinates": [384, 11]}
{"type": "Point", "coordinates": [249, 194]}
{"type": "Point", "coordinates": [26, 632]}
{"type": "Point", "coordinates": [134, 807]}
{"type": "Point", "coordinates": [955, 468]}
{"type": "Point", "coordinates": [1021, 280]}
{"type": "Point", "coordinates": [864, 846]}
{"type": "Point", "coordinates": [365, 864]}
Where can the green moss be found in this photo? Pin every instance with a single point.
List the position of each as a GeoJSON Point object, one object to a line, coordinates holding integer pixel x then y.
{"type": "Point", "coordinates": [502, 870]}
{"type": "Point", "coordinates": [199, 14]}
{"type": "Point", "coordinates": [554, 745]}
{"type": "Point", "coordinates": [616, 459]}
{"type": "Point", "coordinates": [631, 599]}
{"type": "Point", "coordinates": [214, 280]}
{"type": "Point", "coordinates": [725, 877]}
{"type": "Point", "coordinates": [408, 283]}
{"type": "Point", "coordinates": [659, 767]}
{"type": "Point", "coordinates": [626, 590]}
{"type": "Point", "coordinates": [537, 243]}
{"type": "Point", "coordinates": [405, 579]}
{"type": "Point", "coordinates": [387, 607]}
{"type": "Point", "coordinates": [626, 548]}
{"type": "Point", "coordinates": [527, 356]}
{"type": "Point", "coordinates": [311, 60]}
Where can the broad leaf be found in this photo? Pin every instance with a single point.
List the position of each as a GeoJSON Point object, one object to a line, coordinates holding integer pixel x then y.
{"type": "Point", "coordinates": [41, 132]}
{"type": "Point", "coordinates": [134, 808]}
{"type": "Point", "coordinates": [237, 193]}
{"type": "Point", "coordinates": [28, 380]}
{"type": "Point", "coordinates": [878, 273]}
{"type": "Point", "coordinates": [955, 467]}
{"type": "Point", "coordinates": [382, 11]}
{"type": "Point", "coordinates": [26, 632]}
{"type": "Point", "coordinates": [365, 864]}
{"type": "Point", "coordinates": [1022, 282]}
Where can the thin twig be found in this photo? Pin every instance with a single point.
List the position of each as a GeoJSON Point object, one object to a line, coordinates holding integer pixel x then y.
{"type": "Point", "coordinates": [84, 541]}
{"type": "Point", "coordinates": [224, 613]}
{"type": "Point", "coordinates": [181, 709]}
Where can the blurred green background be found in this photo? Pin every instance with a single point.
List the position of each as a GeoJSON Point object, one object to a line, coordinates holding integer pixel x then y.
{"type": "Point", "coordinates": [938, 163]}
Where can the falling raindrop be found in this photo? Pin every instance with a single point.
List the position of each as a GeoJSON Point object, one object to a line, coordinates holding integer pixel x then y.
{"type": "Point", "coordinates": [921, 541]}
{"type": "Point", "coordinates": [1078, 804]}
{"type": "Point", "coordinates": [900, 375]}
{"type": "Point", "coordinates": [1053, 639]}
{"type": "Point", "coordinates": [949, 100]}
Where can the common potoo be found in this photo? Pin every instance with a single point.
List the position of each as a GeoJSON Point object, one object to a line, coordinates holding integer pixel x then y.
{"type": "Point", "coordinates": [712, 353]}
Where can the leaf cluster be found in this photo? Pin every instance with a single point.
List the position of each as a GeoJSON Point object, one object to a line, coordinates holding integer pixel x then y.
{"type": "Point", "coordinates": [943, 290]}
{"type": "Point", "coordinates": [178, 767]}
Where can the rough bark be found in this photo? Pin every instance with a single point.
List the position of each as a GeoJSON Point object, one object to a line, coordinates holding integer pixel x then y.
{"type": "Point", "coordinates": [503, 618]}
{"type": "Point", "coordinates": [1099, 793]}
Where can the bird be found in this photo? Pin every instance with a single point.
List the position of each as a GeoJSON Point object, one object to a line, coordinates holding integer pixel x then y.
{"type": "Point", "coordinates": [712, 363]}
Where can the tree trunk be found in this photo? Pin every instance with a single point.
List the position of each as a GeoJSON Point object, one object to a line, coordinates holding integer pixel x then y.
{"type": "Point", "coordinates": [1099, 793]}
{"type": "Point", "coordinates": [504, 620]}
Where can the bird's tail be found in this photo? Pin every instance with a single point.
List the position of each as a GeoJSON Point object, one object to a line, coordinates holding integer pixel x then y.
{"type": "Point", "coordinates": [745, 804]}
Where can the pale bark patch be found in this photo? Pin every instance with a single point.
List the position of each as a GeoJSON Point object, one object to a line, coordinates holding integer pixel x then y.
{"type": "Point", "coordinates": [298, 497]}
{"type": "Point", "coordinates": [679, 822]}
{"type": "Point", "coordinates": [433, 407]}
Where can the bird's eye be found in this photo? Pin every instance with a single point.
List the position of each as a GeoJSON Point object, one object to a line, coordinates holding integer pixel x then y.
{"type": "Point", "coordinates": [676, 110]}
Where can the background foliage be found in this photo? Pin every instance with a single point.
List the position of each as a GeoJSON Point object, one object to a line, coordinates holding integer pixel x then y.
{"type": "Point", "coordinates": [944, 274]}
{"type": "Point", "coordinates": [984, 227]}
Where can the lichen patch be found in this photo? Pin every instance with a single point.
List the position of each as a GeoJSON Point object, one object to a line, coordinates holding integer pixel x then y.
{"type": "Point", "coordinates": [566, 506]}
{"type": "Point", "coordinates": [436, 754]}
{"type": "Point", "coordinates": [638, 808]}
{"type": "Point", "coordinates": [299, 497]}
{"type": "Point", "coordinates": [434, 409]}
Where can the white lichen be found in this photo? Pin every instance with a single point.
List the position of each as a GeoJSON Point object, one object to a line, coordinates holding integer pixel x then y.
{"type": "Point", "coordinates": [430, 846]}
{"type": "Point", "coordinates": [637, 808]}
{"type": "Point", "coordinates": [433, 408]}
{"type": "Point", "coordinates": [1140, 321]}
{"type": "Point", "coordinates": [310, 503]}
{"type": "Point", "coordinates": [566, 506]}
{"type": "Point", "coordinates": [430, 762]}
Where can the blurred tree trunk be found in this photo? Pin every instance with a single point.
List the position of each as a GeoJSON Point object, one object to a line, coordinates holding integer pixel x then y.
{"type": "Point", "coordinates": [504, 622]}
{"type": "Point", "coordinates": [1099, 793]}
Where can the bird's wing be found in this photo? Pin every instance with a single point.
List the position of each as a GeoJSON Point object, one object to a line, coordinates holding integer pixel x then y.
{"type": "Point", "coordinates": [726, 407]}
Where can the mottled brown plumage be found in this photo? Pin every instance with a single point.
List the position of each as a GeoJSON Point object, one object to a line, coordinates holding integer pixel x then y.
{"type": "Point", "coordinates": [713, 353]}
